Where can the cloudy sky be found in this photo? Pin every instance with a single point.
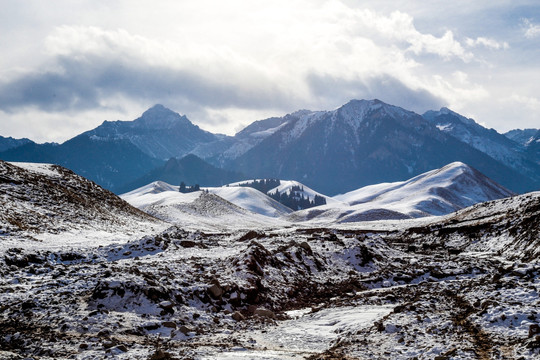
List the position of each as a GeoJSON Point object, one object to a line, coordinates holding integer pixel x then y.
{"type": "Point", "coordinates": [68, 65]}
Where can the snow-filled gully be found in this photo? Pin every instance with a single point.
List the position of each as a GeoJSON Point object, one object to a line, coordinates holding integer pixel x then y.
{"type": "Point", "coordinates": [307, 333]}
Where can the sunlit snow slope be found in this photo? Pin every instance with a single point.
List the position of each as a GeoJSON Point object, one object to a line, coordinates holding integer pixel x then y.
{"type": "Point", "coordinates": [437, 192]}
{"type": "Point", "coordinates": [221, 207]}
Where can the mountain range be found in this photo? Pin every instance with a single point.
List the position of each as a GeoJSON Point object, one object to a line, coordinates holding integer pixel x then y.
{"type": "Point", "coordinates": [7, 143]}
{"type": "Point", "coordinates": [367, 142]}
{"type": "Point", "coordinates": [361, 143]}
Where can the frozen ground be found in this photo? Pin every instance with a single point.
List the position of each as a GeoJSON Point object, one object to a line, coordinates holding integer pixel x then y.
{"type": "Point", "coordinates": [354, 294]}
{"type": "Point", "coordinates": [462, 286]}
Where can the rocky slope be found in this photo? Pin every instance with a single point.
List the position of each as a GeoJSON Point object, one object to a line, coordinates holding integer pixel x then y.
{"type": "Point", "coordinates": [160, 133]}
{"type": "Point", "coordinates": [500, 147]}
{"type": "Point", "coordinates": [40, 199]}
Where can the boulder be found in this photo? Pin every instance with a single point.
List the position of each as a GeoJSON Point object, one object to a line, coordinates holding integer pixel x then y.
{"type": "Point", "coordinates": [215, 291]}
{"type": "Point", "coordinates": [304, 245]}
{"type": "Point", "coordinates": [237, 316]}
{"type": "Point", "coordinates": [533, 330]}
{"type": "Point", "coordinates": [169, 324]}
{"type": "Point", "coordinates": [185, 330]}
{"type": "Point", "coordinates": [263, 312]}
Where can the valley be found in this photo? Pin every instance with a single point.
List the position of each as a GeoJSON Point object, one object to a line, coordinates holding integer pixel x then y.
{"type": "Point", "coordinates": [216, 280]}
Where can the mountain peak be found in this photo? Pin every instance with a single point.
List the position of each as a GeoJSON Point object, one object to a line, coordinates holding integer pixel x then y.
{"type": "Point", "coordinates": [374, 104]}
{"type": "Point", "coordinates": [364, 103]}
{"type": "Point", "coordinates": [431, 115]}
{"type": "Point", "coordinates": [158, 116]}
{"type": "Point", "coordinates": [157, 108]}
{"type": "Point", "coordinates": [445, 110]}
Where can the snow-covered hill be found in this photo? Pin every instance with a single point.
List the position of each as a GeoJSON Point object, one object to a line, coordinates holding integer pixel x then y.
{"type": "Point", "coordinates": [289, 188]}
{"type": "Point", "coordinates": [252, 200]}
{"type": "Point", "coordinates": [436, 192]}
{"type": "Point", "coordinates": [215, 207]}
{"type": "Point", "coordinates": [49, 203]}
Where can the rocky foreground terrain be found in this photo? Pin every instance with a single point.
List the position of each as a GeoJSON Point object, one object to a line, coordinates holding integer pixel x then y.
{"type": "Point", "coordinates": [462, 286]}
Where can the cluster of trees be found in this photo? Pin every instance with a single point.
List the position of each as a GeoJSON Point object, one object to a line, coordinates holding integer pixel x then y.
{"type": "Point", "coordinates": [264, 185]}
{"type": "Point", "coordinates": [295, 199]}
{"type": "Point", "coordinates": [187, 189]}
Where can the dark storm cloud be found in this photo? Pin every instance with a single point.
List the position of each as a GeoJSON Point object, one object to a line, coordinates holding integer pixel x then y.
{"type": "Point", "coordinates": [384, 87]}
{"type": "Point", "coordinates": [81, 83]}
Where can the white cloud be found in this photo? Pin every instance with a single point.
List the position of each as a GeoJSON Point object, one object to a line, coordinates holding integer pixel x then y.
{"type": "Point", "coordinates": [529, 102]}
{"type": "Point", "coordinates": [223, 62]}
{"type": "Point", "coordinates": [458, 90]}
{"type": "Point", "coordinates": [398, 28]}
{"type": "Point", "coordinates": [488, 43]}
{"type": "Point", "coordinates": [531, 30]}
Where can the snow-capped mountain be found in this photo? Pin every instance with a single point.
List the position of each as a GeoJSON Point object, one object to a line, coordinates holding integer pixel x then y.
{"type": "Point", "coordinates": [108, 162]}
{"type": "Point", "coordinates": [362, 143]}
{"type": "Point", "coordinates": [43, 199]}
{"type": "Point", "coordinates": [529, 140]}
{"type": "Point", "coordinates": [522, 136]}
{"type": "Point", "coordinates": [117, 153]}
{"type": "Point", "coordinates": [436, 192]}
{"type": "Point", "coordinates": [533, 148]}
{"type": "Point", "coordinates": [159, 133]}
{"type": "Point", "coordinates": [488, 141]}
{"type": "Point", "coordinates": [229, 148]}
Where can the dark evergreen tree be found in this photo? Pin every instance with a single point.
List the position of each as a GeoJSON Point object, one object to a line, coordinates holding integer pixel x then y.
{"type": "Point", "coordinates": [319, 200]}
{"type": "Point", "coordinates": [263, 185]}
{"type": "Point", "coordinates": [188, 189]}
